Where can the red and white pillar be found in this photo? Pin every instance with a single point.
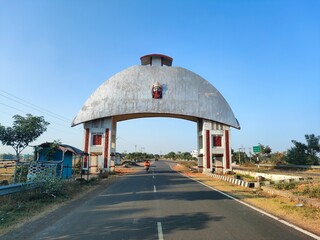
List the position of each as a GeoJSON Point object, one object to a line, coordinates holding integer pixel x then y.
{"type": "Point", "coordinates": [105, 149]}
{"type": "Point", "coordinates": [213, 154]}
{"type": "Point", "coordinates": [86, 148]}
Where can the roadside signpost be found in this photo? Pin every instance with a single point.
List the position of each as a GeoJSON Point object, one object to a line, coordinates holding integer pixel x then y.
{"type": "Point", "coordinates": [257, 149]}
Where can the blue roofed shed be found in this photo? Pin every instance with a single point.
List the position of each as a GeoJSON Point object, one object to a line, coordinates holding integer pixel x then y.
{"type": "Point", "coordinates": [60, 154]}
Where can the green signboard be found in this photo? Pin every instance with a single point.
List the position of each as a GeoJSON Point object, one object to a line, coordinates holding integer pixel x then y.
{"type": "Point", "coordinates": [256, 149]}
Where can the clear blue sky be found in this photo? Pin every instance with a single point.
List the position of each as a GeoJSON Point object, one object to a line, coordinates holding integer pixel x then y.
{"type": "Point", "coordinates": [263, 56]}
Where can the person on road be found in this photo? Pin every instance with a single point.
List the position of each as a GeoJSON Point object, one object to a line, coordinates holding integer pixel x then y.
{"type": "Point", "coordinates": [146, 165]}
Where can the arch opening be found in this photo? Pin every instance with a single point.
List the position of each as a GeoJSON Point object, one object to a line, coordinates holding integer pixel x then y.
{"type": "Point", "coordinates": [157, 135]}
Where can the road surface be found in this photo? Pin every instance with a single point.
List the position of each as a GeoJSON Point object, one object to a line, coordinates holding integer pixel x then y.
{"type": "Point", "coordinates": [164, 205]}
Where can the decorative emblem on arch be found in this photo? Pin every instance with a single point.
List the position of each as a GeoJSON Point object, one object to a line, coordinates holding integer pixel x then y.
{"type": "Point", "coordinates": [157, 90]}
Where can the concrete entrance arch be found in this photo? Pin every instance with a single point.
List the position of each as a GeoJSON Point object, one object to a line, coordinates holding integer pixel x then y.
{"type": "Point", "coordinates": [156, 89]}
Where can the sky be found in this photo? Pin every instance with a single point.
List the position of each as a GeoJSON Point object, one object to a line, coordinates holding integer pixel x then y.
{"type": "Point", "coordinates": [262, 56]}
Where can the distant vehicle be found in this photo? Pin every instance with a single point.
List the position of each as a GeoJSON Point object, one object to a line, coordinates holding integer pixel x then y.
{"type": "Point", "coordinates": [156, 159]}
{"type": "Point", "coordinates": [146, 165]}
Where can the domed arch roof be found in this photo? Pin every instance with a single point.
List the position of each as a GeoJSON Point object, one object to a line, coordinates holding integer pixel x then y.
{"type": "Point", "coordinates": [128, 94]}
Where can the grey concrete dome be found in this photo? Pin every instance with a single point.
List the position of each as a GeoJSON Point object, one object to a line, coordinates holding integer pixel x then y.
{"type": "Point", "coordinates": [128, 94]}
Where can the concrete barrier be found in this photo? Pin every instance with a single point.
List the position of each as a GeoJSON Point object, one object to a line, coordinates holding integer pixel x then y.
{"type": "Point", "coordinates": [236, 181]}
{"type": "Point", "coordinates": [271, 176]}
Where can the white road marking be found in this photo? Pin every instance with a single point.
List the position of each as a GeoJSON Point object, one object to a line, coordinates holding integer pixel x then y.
{"type": "Point", "coordinates": [261, 211]}
{"type": "Point", "coordinates": [160, 234]}
{"type": "Point", "coordinates": [154, 188]}
{"type": "Point", "coordinates": [135, 220]}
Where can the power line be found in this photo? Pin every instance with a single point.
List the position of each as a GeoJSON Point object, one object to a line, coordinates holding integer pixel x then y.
{"type": "Point", "coordinates": [68, 127]}
{"type": "Point", "coordinates": [33, 106]}
{"type": "Point", "coordinates": [13, 108]}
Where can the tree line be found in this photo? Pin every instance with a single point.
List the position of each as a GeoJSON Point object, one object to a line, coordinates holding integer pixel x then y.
{"type": "Point", "coordinates": [140, 156]}
{"type": "Point", "coordinates": [179, 156]}
{"type": "Point", "coordinates": [300, 154]}
{"type": "Point", "coordinates": [27, 129]}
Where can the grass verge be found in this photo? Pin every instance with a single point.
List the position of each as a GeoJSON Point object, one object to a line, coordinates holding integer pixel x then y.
{"type": "Point", "coordinates": [15, 209]}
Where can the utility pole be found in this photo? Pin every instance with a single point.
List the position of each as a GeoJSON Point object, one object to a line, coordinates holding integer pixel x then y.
{"type": "Point", "coordinates": [244, 156]}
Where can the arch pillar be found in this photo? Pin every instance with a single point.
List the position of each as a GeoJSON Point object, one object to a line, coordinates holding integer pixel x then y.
{"type": "Point", "coordinates": [100, 143]}
{"type": "Point", "coordinates": [213, 147]}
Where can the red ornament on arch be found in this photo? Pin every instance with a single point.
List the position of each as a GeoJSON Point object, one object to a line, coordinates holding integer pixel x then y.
{"type": "Point", "coordinates": [157, 91]}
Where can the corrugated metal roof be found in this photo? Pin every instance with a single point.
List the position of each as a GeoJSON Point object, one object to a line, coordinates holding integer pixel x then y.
{"type": "Point", "coordinates": [64, 147]}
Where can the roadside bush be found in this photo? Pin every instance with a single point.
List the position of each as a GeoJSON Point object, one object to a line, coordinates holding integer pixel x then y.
{"type": "Point", "coordinates": [104, 174]}
{"type": "Point", "coordinates": [248, 164]}
{"type": "Point", "coordinates": [52, 186]}
{"type": "Point", "coordinates": [21, 174]}
{"type": "Point", "coordinates": [285, 185]}
{"type": "Point", "coordinates": [188, 164]}
{"type": "Point", "coordinates": [311, 190]}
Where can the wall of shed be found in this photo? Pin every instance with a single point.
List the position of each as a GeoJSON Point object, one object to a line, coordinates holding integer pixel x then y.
{"type": "Point", "coordinates": [57, 156]}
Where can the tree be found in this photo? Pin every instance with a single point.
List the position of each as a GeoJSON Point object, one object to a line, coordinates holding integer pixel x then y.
{"type": "Point", "coordinates": [138, 156]}
{"type": "Point", "coordinates": [313, 149]}
{"type": "Point", "coordinates": [239, 156]}
{"type": "Point", "coordinates": [304, 154]}
{"type": "Point", "coordinates": [170, 155]}
{"type": "Point", "coordinates": [24, 131]}
{"type": "Point", "coordinates": [265, 150]}
{"type": "Point", "coordinates": [186, 156]}
{"type": "Point", "coordinates": [278, 158]}
{"type": "Point", "coordinates": [7, 156]}
{"type": "Point", "coordinates": [52, 149]}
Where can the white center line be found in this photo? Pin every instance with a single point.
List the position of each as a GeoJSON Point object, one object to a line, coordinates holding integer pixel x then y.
{"type": "Point", "coordinates": [154, 188]}
{"type": "Point", "coordinates": [160, 234]}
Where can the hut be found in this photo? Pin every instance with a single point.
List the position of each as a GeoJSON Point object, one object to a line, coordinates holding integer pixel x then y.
{"type": "Point", "coordinates": [62, 157]}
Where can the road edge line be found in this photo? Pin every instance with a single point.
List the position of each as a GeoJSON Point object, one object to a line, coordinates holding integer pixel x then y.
{"type": "Point", "coordinates": [160, 233]}
{"type": "Point", "coordinates": [257, 209]}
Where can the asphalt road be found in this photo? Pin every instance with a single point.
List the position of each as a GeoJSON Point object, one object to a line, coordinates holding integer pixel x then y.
{"type": "Point", "coordinates": [164, 205]}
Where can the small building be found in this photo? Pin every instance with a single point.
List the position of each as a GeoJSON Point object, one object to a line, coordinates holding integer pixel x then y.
{"type": "Point", "coordinates": [194, 153]}
{"type": "Point", "coordinates": [118, 158]}
{"type": "Point", "coordinates": [61, 157]}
